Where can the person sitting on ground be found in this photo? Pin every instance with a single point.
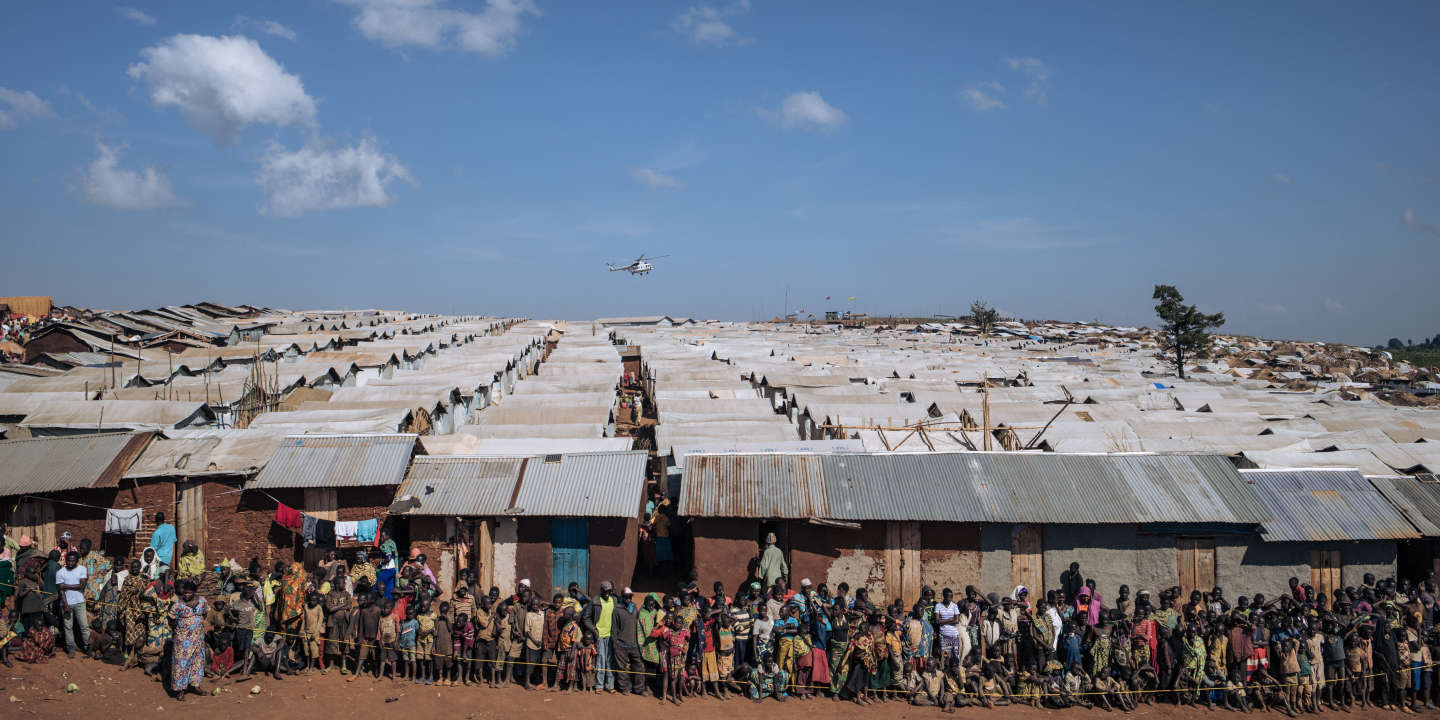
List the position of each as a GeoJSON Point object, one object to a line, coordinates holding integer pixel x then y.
{"type": "Point", "coordinates": [766, 680]}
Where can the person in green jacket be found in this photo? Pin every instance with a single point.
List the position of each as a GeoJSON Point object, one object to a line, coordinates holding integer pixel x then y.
{"type": "Point", "coordinates": [772, 562]}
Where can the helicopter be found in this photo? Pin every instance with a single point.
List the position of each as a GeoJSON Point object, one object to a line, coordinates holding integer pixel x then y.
{"type": "Point", "coordinates": [639, 267]}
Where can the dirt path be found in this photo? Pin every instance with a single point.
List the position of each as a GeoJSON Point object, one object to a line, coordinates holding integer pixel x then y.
{"type": "Point", "coordinates": [39, 691]}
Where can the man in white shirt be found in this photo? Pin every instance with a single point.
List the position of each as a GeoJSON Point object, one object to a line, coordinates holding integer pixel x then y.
{"type": "Point", "coordinates": [70, 580]}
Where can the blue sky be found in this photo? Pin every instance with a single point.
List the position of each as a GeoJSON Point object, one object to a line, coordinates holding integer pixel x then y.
{"type": "Point", "coordinates": [1277, 161]}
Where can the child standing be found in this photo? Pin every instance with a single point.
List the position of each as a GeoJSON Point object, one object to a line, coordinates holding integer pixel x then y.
{"type": "Point", "coordinates": [444, 645]}
{"type": "Point", "coordinates": [585, 662]}
{"type": "Point", "coordinates": [387, 653]}
{"type": "Point", "coordinates": [406, 641]}
{"type": "Point", "coordinates": [567, 649]}
{"type": "Point", "coordinates": [313, 628]}
{"type": "Point", "coordinates": [425, 643]}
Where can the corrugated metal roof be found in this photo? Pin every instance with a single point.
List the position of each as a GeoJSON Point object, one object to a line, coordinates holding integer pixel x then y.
{"type": "Point", "coordinates": [1312, 505]}
{"type": "Point", "coordinates": [461, 486]}
{"type": "Point", "coordinates": [175, 458]}
{"type": "Point", "coordinates": [42, 465]}
{"type": "Point", "coordinates": [754, 485]}
{"type": "Point", "coordinates": [607, 484]}
{"type": "Point", "coordinates": [1420, 502]}
{"type": "Point", "coordinates": [334, 461]}
{"type": "Point", "coordinates": [973, 487]}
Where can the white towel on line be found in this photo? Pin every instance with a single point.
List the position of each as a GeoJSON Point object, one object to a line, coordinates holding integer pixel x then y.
{"type": "Point", "coordinates": [122, 522]}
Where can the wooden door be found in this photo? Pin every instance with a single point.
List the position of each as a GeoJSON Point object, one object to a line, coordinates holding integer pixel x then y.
{"type": "Point", "coordinates": [1325, 571]}
{"type": "Point", "coordinates": [190, 514]}
{"type": "Point", "coordinates": [484, 553]}
{"type": "Point", "coordinates": [35, 518]}
{"type": "Point", "coordinates": [1195, 564]}
{"type": "Point", "coordinates": [902, 562]}
{"type": "Point", "coordinates": [1027, 558]}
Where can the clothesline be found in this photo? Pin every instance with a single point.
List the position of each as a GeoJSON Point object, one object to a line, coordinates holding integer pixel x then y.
{"type": "Point", "coordinates": [320, 531]}
{"type": "Point", "coordinates": [77, 504]}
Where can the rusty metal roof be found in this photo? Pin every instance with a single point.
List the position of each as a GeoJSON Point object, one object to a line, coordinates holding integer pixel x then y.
{"type": "Point", "coordinates": [971, 487]}
{"type": "Point", "coordinates": [54, 464]}
{"type": "Point", "coordinates": [1419, 501]}
{"type": "Point", "coordinates": [1314, 505]}
{"type": "Point", "coordinates": [335, 461]}
{"type": "Point", "coordinates": [761, 485]}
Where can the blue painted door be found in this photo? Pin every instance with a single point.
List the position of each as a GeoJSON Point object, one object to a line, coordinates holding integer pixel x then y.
{"type": "Point", "coordinates": [570, 553]}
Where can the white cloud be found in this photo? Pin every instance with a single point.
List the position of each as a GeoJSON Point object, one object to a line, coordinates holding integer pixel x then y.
{"type": "Point", "coordinates": [1281, 178]}
{"type": "Point", "coordinates": [1038, 73]}
{"type": "Point", "coordinates": [269, 27]}
{"type": "Point", "coordinates": [1334, 305]}
{"type": "Point", "coordinates": [222, 84]}
{"type": "Point", "coordinates": [809, 111]}
{"type": "Point", "coordinates": [707, 25]}
{"type": "Point", "coordinates": [1274, 308]}
{"type": "Point", "coordinates": [17, 105]}
{"type": "Point", "coordinates": [654, 178]}
{"type": "Point", "coordinates": [1411, 219]}
{"type": "Point", "coordinates": [106, 184]}
{"type": "Point", "coordinates": [320, 177]}
{"type": "Point", "coordinates": [982, 100]}
{"type": "Point", "coordinates": [133, 15]}
{"type": "Point", "coordinates": [426, 23]}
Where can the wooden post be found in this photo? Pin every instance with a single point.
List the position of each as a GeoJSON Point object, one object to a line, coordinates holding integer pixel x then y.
{"type": "Point", "coordinates": [985, 408]}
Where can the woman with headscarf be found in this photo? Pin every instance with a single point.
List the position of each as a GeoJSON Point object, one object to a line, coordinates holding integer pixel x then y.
{"type": "Point", "coordinates": [1021, 597]}
{"type": "Point", "coordinates": [132, 612]}
{"type": "Point", "coordinates": [156, 601]}
{"type": "Point", "coordinates": [150, 565]}
{"type": "Point", "coordinates": [839, 650]}
{"type": "Point", "coordinates": [1087, 607]}
{"type": "Point", "coordinates": [385, 578]}
{"type": "Point", "coordinates": [292, 597]}
{"type": "Point", "coordinates": [97, 571]}
{"type": "Point", "coordinates": [651, 616]}
{"type": "Point", "coordinates": [362, 576]}
{"type": "Point", "coordinates": [187, 659]}
{"type": "Point", "coordinates": [862, 664]}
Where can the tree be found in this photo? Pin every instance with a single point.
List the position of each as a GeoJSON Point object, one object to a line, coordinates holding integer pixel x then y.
{"type": "Point", "coordinates": [1395, 344]}
{"type": "Point", "coordinates": [983, 316]}
{"type": "Point", "coordinates": [1183, 332]}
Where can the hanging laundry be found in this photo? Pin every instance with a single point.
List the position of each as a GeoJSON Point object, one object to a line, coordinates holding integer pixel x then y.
{"type": "Point", "coordinates": [346, 530]}
{"type": "Point", "coordinates": [365, 530]}
{"type": "Point", "coordinates": [287, 516]}
{"type": "Point", "coordinates": [123, 522]}
{"type": "Point", "coordinates": [325, 533]}
{"type": "Point", "coordinates": [307, 528]}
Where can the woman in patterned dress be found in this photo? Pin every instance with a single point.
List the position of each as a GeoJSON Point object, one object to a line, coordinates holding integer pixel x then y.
{"type": "Point", "coordinates": [132, 613]}
{"type": "Point", "coordinates": [187, 662]}
{"type": "Point", "coordinates": [156, 602]}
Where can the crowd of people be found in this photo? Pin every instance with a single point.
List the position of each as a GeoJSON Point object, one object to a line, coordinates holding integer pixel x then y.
{"type": "Point", "coordinates": [384, 616]}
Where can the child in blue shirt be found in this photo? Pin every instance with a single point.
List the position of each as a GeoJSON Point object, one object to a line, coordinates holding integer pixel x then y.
{"type": "Point", "coordinates": [409, 629]}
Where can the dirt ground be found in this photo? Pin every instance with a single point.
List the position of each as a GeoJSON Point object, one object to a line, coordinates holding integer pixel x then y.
{"type": "Point", "coordinates": [28, 691]}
